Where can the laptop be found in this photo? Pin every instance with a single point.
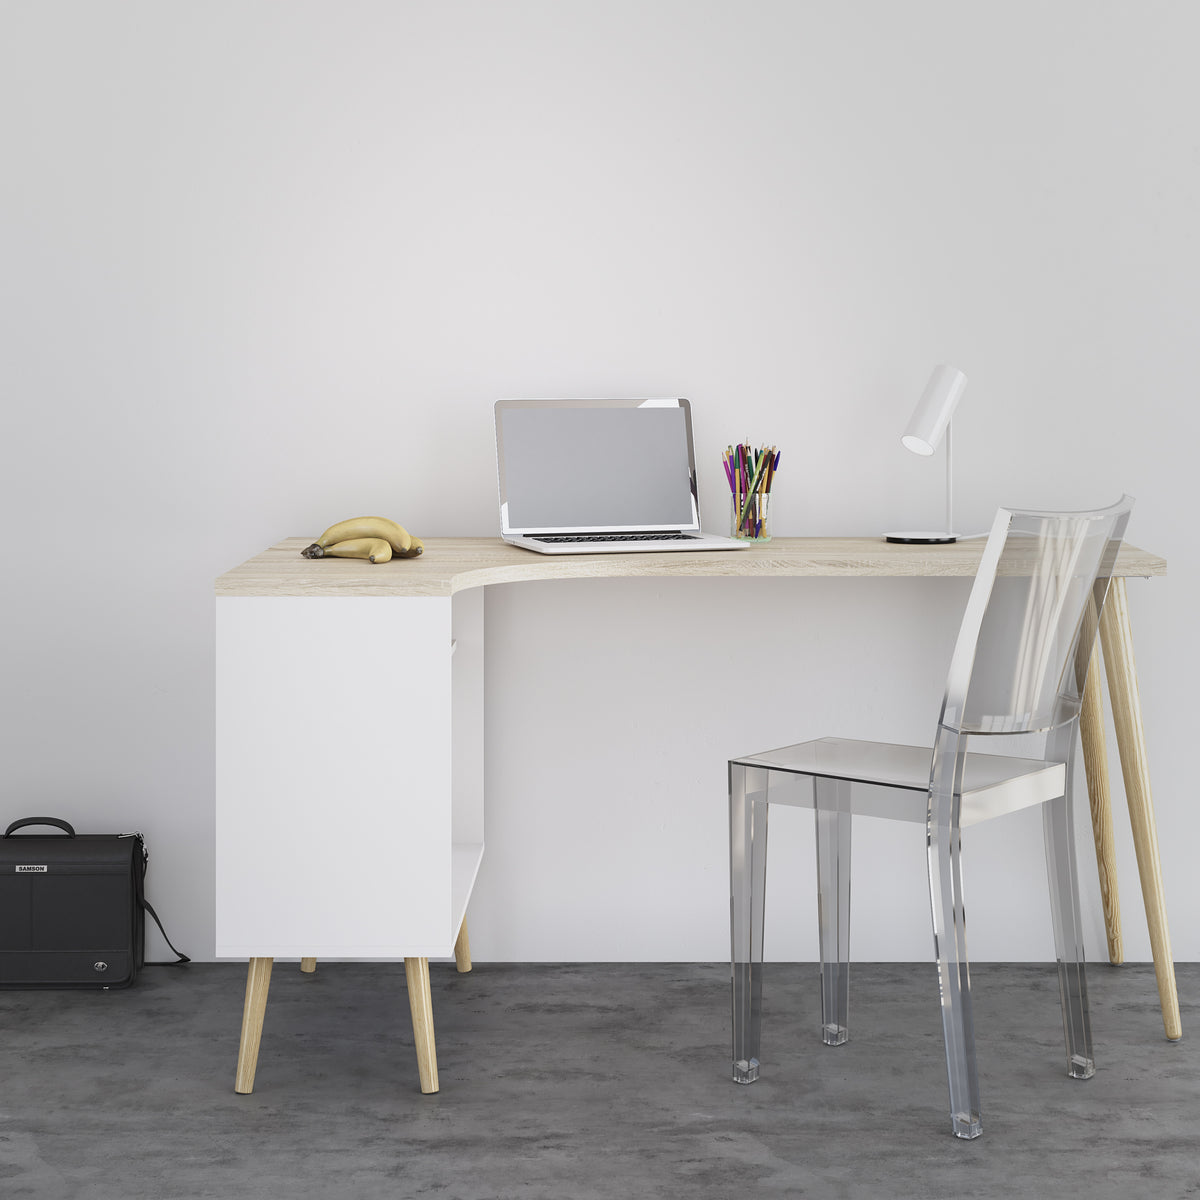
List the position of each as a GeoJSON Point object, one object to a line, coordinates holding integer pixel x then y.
{"type": "Point", "coordinates": [599, 477]}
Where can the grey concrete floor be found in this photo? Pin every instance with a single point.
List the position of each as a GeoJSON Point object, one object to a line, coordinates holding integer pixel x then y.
{"type": "Point", "coordinates": [588, 1081]}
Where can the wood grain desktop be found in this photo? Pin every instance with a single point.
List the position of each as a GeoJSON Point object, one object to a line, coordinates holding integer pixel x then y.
{"type": "Point", "coordinates": [450, 565]}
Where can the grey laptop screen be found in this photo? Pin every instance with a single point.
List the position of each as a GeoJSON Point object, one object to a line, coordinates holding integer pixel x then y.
{"type": "Point", "coordinates": [580, 466]}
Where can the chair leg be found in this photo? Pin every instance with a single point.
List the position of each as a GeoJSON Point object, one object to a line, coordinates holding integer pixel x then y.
{"type": "Point", "coordinates": [420, 1000]}
{"type": "Point", "coordinates": [954, 979]}
{"type": "Point", "coordinates": [462, 950]}
{"type": "Point", "coordinates": [258, 980]}
{"type": "Point", "coordinates": [950, 939]}
{"type": "Point", "coordinates": [308, 965]}
{"type": "Point", "coordinates": [833, 905]}
{"type": "Point", "coordinates": [747, 875]}
{"type": "Point", "coordinates": [1068, 933]}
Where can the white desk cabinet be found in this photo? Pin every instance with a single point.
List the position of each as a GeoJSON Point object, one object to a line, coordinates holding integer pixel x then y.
{"type": "Point", "coordinates": [348, 826]}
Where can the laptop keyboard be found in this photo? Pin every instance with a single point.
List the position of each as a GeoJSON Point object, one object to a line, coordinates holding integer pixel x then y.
{"type": "Point", "coordinates": [614, 537]}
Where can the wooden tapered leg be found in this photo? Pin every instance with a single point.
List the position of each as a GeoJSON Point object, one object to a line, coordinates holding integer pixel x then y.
{"type": "Point", "coordinates": [1117, 641]}
{"type": "Point", "coordinates": [1095, 764]}
{"type": "Point", "coordinates": [420, 1000]}
{"type": "Point", "coordinates": [258, 980]}
{"type": "Point", "coordinates": [308, 965]}
{"type": "Point", "coordinates": [462, 950]}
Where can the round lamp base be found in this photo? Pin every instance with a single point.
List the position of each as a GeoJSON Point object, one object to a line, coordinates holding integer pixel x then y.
{"type": "Point", "coordinates": [921, 538]}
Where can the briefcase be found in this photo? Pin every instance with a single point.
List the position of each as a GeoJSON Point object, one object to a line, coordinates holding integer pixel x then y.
{"type": "Point", "coordinates": [72, 908]}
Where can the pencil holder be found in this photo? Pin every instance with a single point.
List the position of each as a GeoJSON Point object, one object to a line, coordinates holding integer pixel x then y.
{"type": "Point", "coordinates": [750, 474]}
{"type": "Point", "coordinates": [750, 517]}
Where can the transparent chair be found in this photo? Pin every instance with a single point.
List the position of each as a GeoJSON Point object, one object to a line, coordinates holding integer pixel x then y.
{"type": "Point", "coordinates": [1017, 673]}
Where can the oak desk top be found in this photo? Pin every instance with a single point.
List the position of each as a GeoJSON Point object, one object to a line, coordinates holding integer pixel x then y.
{"type": "Point", "coordinates": [450, 565]}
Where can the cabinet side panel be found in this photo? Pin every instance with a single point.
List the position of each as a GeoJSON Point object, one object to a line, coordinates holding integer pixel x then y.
{"type": "Point", "coordinates": [333, 775]}
{"type": "Point", "coordinates": [468, 716]}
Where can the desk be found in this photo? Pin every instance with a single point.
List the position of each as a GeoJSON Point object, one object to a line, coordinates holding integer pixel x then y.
{"type": "Point", "coordinates": [350, 783]}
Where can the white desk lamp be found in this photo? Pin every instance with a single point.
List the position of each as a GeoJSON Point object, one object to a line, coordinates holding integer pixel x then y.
{"type": "Point", "coordinates": [930, 419]}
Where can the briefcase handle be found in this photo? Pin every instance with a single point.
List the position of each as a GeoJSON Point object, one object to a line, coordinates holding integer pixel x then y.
{"type": "Point", "coordinates": [39, 821]}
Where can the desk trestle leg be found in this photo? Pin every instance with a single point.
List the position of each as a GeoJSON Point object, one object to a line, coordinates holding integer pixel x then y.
{"type": "Point", "coordinates": [258, 980]}
{"type": "Point", "coordinates": [462, 950]}
{"type": "Point", "coordinates": [420, 1000]}
{"type": "Point", "coordinates": [1117, 643]}
{"type": "Point", "coordinates": [1095, 763]}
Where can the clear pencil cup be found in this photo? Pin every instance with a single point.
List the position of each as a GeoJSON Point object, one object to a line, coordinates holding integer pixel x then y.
{"type": "Point", "coordinates": [749, 517]}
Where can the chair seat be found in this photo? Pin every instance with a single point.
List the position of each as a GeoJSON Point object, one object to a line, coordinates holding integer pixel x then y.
{"type": "Point", "coordinates": [893, 781]}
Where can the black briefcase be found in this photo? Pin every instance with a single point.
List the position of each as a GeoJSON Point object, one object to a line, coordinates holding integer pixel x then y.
{"type": "Point", "coordinates": [72, 908]}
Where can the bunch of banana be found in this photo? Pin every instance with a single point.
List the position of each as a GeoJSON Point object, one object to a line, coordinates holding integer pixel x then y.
{"type": "Point", "coordinates": [374, 538]}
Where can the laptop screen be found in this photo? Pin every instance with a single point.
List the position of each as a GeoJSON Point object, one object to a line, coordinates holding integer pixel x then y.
{"type": "Point", "coordinates": [580, 466]}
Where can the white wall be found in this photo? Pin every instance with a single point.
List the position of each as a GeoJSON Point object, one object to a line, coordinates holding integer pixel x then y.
{"type": "Point", "coordinates": [265, 266]}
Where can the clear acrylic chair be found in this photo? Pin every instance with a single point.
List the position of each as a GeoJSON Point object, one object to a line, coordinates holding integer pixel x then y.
{"type": "Point", "coordinates": [1017, 672]}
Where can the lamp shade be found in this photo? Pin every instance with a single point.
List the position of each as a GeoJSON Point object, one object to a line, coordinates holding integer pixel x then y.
{"type": "Point", "coordinates": [934, 410]}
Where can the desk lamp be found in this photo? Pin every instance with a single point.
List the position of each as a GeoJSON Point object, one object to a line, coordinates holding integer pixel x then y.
{"type": "Point", "coordinates": [930, 419]}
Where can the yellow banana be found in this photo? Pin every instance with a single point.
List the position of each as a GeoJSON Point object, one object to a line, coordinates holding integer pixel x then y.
{"type": "Point", "coordinates": [367, 527]}
{"type": "Point", "coordinates": [378, 550]}
{"type": "Point", "coordinates": [401, 542]}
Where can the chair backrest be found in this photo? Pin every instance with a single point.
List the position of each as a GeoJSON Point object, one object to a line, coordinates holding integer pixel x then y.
{"type": "Point", "coordinates": [1022, 654]}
